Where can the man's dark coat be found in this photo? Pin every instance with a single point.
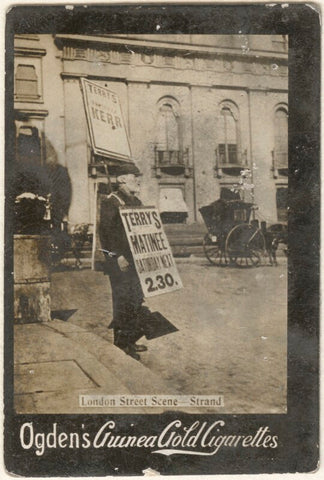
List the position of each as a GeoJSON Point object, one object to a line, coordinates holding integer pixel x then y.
{"type": "Point", "coordinates": [126, 289]}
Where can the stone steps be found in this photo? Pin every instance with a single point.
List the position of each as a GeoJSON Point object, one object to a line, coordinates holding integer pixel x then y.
{"type": "Point", "coordinates": [115, 360]}
{"type": "Point", "coordinates": [57, 361]}
{"type": "Point", "coordinates": [132, 377]}
{"type": "Point", "coordinates": [185, 240]}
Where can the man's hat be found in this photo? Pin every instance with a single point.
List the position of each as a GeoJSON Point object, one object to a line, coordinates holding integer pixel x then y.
{"type": "Point", "coordinates": [127, 169]}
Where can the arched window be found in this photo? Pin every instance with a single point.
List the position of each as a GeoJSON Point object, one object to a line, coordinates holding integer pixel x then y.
{"type": "Point", "coordinates": [281, 133]}
{"type": "Point", "coordinates": [280, 151]}
{"type": "Point", "coordinates": [168, 133]}
{"type": "Point", "coordinates": [229, 156]}
{"type": "Point", "coordinates": [228, 137]}
{"type": "Point", "coordinates": [168, 129]}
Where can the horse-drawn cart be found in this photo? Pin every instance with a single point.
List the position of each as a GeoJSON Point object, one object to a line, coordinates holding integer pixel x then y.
{"type": "Point", "coordinates": [232, 236]}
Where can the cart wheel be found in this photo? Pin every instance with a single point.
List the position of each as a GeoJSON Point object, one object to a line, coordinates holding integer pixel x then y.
{"type": "Point", "coordinates": [250, 259]}
{"type": "Point", "coordinates": [213, 251]}
{"type": "Point", "coordinates": [245, 245]}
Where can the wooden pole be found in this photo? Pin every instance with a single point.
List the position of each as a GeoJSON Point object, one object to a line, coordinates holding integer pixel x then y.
{"type": "Point", "coordinates": [94, 238]}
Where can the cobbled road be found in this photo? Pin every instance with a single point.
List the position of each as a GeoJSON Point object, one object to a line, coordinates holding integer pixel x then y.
{"type": "Point", "coordinates": [229, 330]}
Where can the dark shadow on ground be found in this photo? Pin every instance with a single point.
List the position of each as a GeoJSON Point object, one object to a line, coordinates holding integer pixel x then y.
{"type": "Point", "coordinates": [157, 326]}
{"type": "Point", "coordinates": [62, 314]}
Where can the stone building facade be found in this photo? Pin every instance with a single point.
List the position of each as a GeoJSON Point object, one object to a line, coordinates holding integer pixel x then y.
{"type": "Point", "coordinates": [199, 111]}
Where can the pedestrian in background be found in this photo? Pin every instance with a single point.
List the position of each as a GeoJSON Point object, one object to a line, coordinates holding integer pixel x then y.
{"type": "Point", "coordinates": [127, 295]}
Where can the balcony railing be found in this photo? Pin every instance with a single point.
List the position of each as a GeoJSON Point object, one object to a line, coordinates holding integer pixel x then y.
{"type": "Point", "coordinates": [279, 163]}
{"type": "Point", "coordinates": [232, 166]}
{"type": "Point", "coordinates": [174, 162]}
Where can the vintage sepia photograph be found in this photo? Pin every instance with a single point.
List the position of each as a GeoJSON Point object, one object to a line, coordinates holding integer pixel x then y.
{"type": "Point", "coordinates": [161, 240]}
{"type": "Point", "coordinates": [195, 126]}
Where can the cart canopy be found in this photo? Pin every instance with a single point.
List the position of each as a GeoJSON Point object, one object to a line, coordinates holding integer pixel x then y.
{"type": "Point", "coordinates": [222, 214]}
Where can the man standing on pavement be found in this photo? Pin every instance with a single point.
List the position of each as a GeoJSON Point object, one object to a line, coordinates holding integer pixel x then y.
{"type": "Point", "coordinates": [127, 295]}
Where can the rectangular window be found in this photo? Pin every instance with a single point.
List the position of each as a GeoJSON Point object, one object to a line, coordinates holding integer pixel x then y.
{"type": "Point", "coordinates": [169, 157]}
{"type": "Point", "coordinates": [228, 153]}
{"type": "Point", "coordinates": [26, 81]}
{"type": "Point", "coordinates": [240, 215]}
{"type": "Point", "coordinates": [232, 153]}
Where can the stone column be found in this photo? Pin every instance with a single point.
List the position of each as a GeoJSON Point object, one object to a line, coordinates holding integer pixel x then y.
{"type": "Point", "coordinates": [76, 151]}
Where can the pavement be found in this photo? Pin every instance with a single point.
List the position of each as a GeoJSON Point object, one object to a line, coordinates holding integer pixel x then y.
{"type": "Point", "coordinates": [57, 361]}
{"type": "Point", "coordinates": [226, 337]}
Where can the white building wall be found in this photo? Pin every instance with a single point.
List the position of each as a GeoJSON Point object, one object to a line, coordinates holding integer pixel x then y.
{"type": "Point", "coordinates": [76, 152]}
{"type": "Point", "coordinates": [53, 97]}
{"type": "Point", "coordinates": [262, 132]}
{"type": "Point", "coordinates": [198, 83]}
